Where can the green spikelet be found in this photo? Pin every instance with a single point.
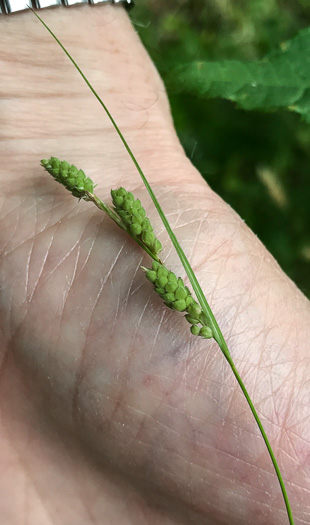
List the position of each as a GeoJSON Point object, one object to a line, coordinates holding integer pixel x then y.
{"type": "Point", "coordinates": [69, 176]}
{"type": "Point", "coordinates": [133, 216]}
{"type": "Point", "coordinates": [178, 297]}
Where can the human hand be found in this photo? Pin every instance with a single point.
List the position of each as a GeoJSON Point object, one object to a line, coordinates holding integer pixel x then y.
{"type": "Point", "coordinates": [111, 412]}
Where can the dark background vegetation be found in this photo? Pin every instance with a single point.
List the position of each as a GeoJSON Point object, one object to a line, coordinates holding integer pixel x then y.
{"type": "Point", "coordinates": [257, 162]}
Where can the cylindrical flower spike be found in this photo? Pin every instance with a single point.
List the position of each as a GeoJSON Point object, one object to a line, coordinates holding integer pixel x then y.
{"type": "Point", "coordinates": [178, 297]}
{"type": "Point", "coordinates": [134, 218]}
{"type": "Point", "coordinates": [69, 176]}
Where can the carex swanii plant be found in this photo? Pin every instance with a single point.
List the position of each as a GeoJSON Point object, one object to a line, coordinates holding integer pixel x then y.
{"type": "Point", "coordinates": [128, 213]}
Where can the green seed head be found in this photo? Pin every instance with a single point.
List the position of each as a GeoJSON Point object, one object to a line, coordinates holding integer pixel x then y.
{"type": "Point", "coordinates": [136, 219]}
{"type": "Point", "coordinates": [135, 229]}
{"type": "Point", "coordinates": [64, 165]}
{"type": "Point", "coordinates": [146, 225]}
{"type": "Point", "coordinates": [70, 183]}
{"type": "Point", "coordinates": [69, 176]}
{"type": "Point", "coordinates": [178, 297]}
{"type": "Point", "coordinates": [148, 237]}
{"type": "Point", "coordinates": [127, 204]}
{"type": "Point", "coordinates": [162, 281]}
{"type": "Point", "coordinates": [121, 192]}
{"type": "Point", "coordinates": [74, 171]}
{"type": "Point", "coordinates": [191, 320]}
{"type": "Point", "coordinates": [157, 247]}
{"type": "Point", "coordinates": [195, 329]}
{"type": "Point", "coordinates": [129, 197]}
{"type": "Point", "coordinates": [206, 332]}
{"type": "Point", "coordinates": [171, 287]}
{"type": "Point", "coordinates": [172, 278]}
{"type": "Point", "coordinates": [162, 272]}
{"type": "Point", "coordinates": [131, 212]}
{"type": "Point", "coordinates": [179, 305]}
{"type": "Point", "coordinates": [169, 297]}
{"type": "Point", "coordinates": [181, 293]}
{"type": "Point", "coordinates": [189, 300]}
{"type": "Point", "coordinates": [55, 162]}
{"type": "Point", "coordinates": [194, 310]}
{"type": "Point", "coordinates": [160, 291]}
{"type": "Point", "coordinates": [114, 194]}
{"type": "Point", "coordinates": [151, 275]}
{"type": "Point", "coordinates": [89, 185]}
{"type": "Point", "coordinates": [125, 216]}
{"type": "Point", "coordinates": [118, 200]}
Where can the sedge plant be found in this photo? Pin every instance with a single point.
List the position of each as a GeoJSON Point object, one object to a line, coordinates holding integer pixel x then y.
{"type": "Point", "coordinates": [128, 213]}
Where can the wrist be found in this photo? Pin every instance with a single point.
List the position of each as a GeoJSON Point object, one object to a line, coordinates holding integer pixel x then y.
{"type": "Point", "coordinates": [88, 30]}
{"type": "Point", "coordinates": [50, 100]}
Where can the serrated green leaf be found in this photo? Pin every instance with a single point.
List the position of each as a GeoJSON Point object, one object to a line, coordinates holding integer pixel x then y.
{"type": "Point", "coordinates": [280, 80]}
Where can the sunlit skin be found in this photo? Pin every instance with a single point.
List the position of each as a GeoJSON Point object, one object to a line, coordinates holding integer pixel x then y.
{"type": "Point", "coordinates": [111, 412]}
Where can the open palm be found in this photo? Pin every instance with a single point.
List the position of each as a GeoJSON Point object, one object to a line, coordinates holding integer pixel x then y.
{"type": "Point", "coordinates": [111, 411]}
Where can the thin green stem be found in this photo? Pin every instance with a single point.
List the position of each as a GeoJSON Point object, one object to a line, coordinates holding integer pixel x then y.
{"type": "Point", "coordinates": [264, 435]}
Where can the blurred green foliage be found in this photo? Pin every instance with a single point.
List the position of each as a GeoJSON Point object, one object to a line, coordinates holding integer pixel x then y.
{"type": "Point", "coordinates": [258, 162]}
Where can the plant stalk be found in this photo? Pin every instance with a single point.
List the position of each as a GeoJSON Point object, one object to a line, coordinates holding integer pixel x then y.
{"type": "Point", "coordinates": [263, 433]}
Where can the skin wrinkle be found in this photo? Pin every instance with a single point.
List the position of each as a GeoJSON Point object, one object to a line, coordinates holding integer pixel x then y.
{"type": "Point", "coordinates": [10, 211]}
{"type": "Point", "coordinates": [200, 379]}
{"type": "Point", "coordinates": [151, 416]}
{"type": "Point", "coordinates": [32, 237]}
{"type": "Point", "coordinates": [90, 250]}
{"type": "Point", "coordinates": [134, 337]}
{"type": "Point", "coordinates": [195, 240]}
{"type": "Point", "coordinates": [4, 357]}
{"type": "Point", "coordinates": [30, 256]}
{"type": "Point", "coordinates": [117, 310]}
{"type": "Point", "coordinates": [87, 508]}
{"type": "Point", "coordinates": [78, 245]}
{"type": "Point", "coordinates": [13, 233]}
{"type": "Point", "coordinates": [281, 421]}
{"type": "Point", "coordinates": [24, 468]}
{"type": "Point", "coordinates": [40, 274]}
{"type": "Point", "coordinates": [246, 366]}
{"type": "Point", "coordinates": [294, 459]}
{"type": "Point", "coordinates": [25, 513]}
{"type": "Point", "coordinates": [153, 346]}
{"type": "Point", "coordinates": [129, 292]}
{"type": "Point", "coordinates": [58, 224]}
{"type": "Point", "coordinates": [79, 375]}
{"type": "Point", "coordinates": [249, 432]}
{"type": "Point", "coordinates": [27, 270]}
{"type": "Point", "coordinates": [70, 282]}
{"type": "Point", "coordinates": [291, 433]}
{"type": "Point", "coordinates": [220, 476]}
{"type": "Point", "coordinates": [65, 256]}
